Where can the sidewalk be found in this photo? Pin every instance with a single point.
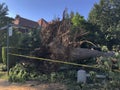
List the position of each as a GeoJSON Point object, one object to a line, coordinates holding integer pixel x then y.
{"type": "Point", "coordinates": [29, 85]}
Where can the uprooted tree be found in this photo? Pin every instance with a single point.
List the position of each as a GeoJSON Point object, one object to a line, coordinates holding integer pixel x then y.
{"type": "Point", "coordinates": [62, 41]}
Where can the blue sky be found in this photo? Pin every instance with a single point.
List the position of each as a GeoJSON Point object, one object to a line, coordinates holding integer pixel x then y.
{"type": "Point", "coordinates": [47, 9]}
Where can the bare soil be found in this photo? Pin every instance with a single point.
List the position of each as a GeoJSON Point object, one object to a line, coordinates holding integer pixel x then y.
{"type": "Point", "coordinates": [30, 85]}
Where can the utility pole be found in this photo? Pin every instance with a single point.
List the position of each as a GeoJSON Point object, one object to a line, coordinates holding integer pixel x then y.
{"type": "Point", "coordinates": [9, 33]}
{"type": "Point", "coordinates": [8, 51]}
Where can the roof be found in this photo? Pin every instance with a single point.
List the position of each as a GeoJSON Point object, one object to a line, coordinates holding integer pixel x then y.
{"type": "Point", "coordinates": [25, 22]}
{"type": "Point", "coordinates": [42, 22]}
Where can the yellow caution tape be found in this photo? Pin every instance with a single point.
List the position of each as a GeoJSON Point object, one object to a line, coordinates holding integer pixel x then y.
{"type": "Point", "coordinates": [58, 61]}
{"type": "Point", "coordinates": [18, 48]}
{"type": "Point", "coordinates": [50, 60]}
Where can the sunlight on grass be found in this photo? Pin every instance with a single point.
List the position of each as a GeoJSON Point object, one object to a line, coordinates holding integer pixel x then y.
{"type": "Point", "coordinates": [3, 74]}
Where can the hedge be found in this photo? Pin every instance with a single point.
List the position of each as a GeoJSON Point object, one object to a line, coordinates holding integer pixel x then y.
{"type": "Point", "coordinates": [12, 59]}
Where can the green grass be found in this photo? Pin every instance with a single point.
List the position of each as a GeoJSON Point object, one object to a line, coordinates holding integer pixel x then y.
{"type": "Point", "coordinates": [3, 74]}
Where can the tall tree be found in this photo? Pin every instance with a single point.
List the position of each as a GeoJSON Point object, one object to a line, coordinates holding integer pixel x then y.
{"type": "Point", "coordinates": [3, 13]}
{"type": "Point", "coordinates": [107, 17]}
{"type": "Point", "coordinates": [4, 20]}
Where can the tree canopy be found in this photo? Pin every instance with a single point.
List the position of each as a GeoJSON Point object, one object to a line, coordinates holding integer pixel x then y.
{"type": "Point", "coordinates": [3, 13]}
{"type": "Point", "coordinates": [4, 20]}
{"type": "Point", "coordinates": [106, 16]}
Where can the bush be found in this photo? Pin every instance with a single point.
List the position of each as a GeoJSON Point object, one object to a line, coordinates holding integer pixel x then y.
{"type": "Point", "coordinates": [92, 76]}
{"type": "Point", "coordinates": [104, 48]}
{"type": "Point", "coordinates": [111, 66]}
{"type": "Point", "coordinates": [18, 73]}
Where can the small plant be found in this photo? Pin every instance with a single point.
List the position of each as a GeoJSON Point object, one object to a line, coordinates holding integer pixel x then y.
{"type": "Point", "coordinates": [92, 76]}
{"type": "Point", "coordinates": [53, 77]}
{"type": "Point", "coordinates": [104, 48]}
{"type": "Point", "coordinates": [110, 66]}
{"type": "Point", "coordinates": [43, 78]}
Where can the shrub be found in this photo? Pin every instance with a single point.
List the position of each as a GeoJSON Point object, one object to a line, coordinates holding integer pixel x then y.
{"type": "Point", "coordinates": [111, 66]}
{"type": "Point", "coordinates": [43, 78]}
{"type": "Point", "coordinates": [92, 76]}
{"type": "Point", "coordinates": [104, 48]}
{"type": "Point", "coordinates": [18, 73]}
{"type": "Point", "coordinates": [53, 77]}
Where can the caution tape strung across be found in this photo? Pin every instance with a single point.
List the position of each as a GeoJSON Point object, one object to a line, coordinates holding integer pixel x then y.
{"type": "Point", "coordinates": [18, 48]}
{"type": "Point", "coordinates": [58, 61]}
{"type": "Point", "coordinates": [55, 61]}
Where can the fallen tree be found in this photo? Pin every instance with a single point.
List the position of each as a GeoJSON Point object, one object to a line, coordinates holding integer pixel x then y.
{"type": "Point", "coordinates": [60, 42]}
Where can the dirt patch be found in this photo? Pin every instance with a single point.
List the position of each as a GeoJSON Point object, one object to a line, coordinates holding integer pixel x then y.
{"type": "Point", "coordinates": [30, 85]}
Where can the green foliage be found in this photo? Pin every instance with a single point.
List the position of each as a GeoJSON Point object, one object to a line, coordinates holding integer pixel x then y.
{"type": "Point", "coordinates": [52, 77]}
{"type": "Point", "coordinates": [83, 30]}
{"type": "Point", "coordinates": [92, 76]}
{"type": "Point", "coordinates": [31, 40]}
{"type": "Point", "coordinates": [3, 75]}
{"type": "Point", "coordinates": [78, 20]}
{"type": "Point", "coordinates": [18, 73]}
{"type": "Point", "coordinates": [15, 38]}
{"type": "Point", "coordinates": [111, 62]}
{"type": "Point", "coordinates": [104, 48]}
{"type": "Point", "coordinates": [4, 20]}
{"type": "Point", "coordinates": [27, 41]}
{"type": "Point", "coordinates": [111, 66]}
{"type": "Point", "coordinates": [12, 59]}
{"type": "Point", "coordinates": [4, 55]}
{"type": "Point", "coordinates": [105, 63]}
{"type": "Point", "coordinates": [43, 78]}
{"type": "Point", "coordinates": [106, 16]}
{"type": "Point", "coordinates": [22, 72]}
{"type": "Point", "coordinates": [3, 37]}
{"type": "Point", "coordinates": [117, 56]}
{"type": "Point", "coordinates": [4, 67]}
{"type": "Point", "coordinates": [3, 13]}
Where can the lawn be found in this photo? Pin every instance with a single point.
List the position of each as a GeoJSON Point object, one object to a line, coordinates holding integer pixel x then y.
{"type": "Point", "coordinates": [3, 74]}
